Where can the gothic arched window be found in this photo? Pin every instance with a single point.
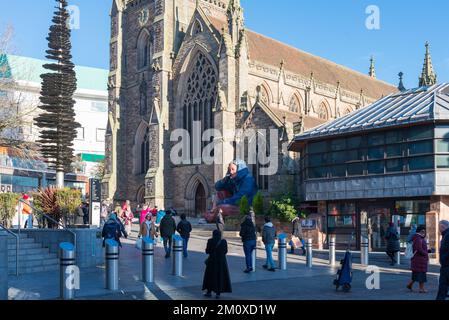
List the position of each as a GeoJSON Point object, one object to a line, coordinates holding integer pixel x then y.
{"type": "Point", "coordinates": [200, 95]}
{"type": "Point", "coordinates": [144, 50]}
{"type": "Point", "coordinates": [145, 153]}
{"type": "Point", "coordinates": [294, 105]}
{"type": "Point", "coordinates": [347, 111]}
{"type": "Point", "coordinates": [197, 28]}
{"type": "Point", "coordinates": [323, 114]}
{"type": "Point", "coordinates": [143, 102]}
{"type": "Point", "coordinates": [264, 96]}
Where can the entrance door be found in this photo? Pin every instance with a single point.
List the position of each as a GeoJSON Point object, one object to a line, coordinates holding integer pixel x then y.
{"type": "Point", "coordinates": [378, 219]}
{"type": "Point", "coordinates": [200, 200]}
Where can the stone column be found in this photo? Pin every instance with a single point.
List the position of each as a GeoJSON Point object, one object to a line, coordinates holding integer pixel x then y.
{"type": "Point", "coordinates": [3, 267]}
{"type": "Point", "coordinates": [433, 233]}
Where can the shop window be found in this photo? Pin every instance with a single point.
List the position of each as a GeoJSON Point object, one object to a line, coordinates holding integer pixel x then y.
{"type": "Point", "coordinates": [376, 153]}
{"type": "Point", "coordinates": [420, 163]}
{"type": "Point", "coordinates": [393, 151]}
{"type": "Point", "coordinates": [356, 169]}
{"type": "Point", "coordinates": [419, 133]}
{"type": "Point", "coordinates": [317, 147]}
{"type": "Point", "coordinates": [422, 147]}
{"type": "Point", "coordinates": [376, 139]}
{"type": "Point", "coordinates": [442, 161]}
{"type": "Point", "coordinates": [375, 167]}
{"type": "Point", "coordinates": [442, 146]}
{"type": "Point", "coordinates": [395, 165]}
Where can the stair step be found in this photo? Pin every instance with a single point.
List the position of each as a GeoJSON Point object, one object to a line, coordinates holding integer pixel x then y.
{"type": "Point", "coordinates": [33, 263]}
{"type": "Point", "coordinates": [12, 241]}
{"type": "Point", "coordinates": [25, 246]}
{"type": "Point", "coordinates": [31, 257]}
{"type": "Point", "coordinates": [12, 271]}
{"type": "Point", "coordinates": [31, 251]}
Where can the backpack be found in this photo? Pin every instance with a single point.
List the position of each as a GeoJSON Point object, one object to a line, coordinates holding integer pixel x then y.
{"type": "Point", "coordinates": [110, 230]}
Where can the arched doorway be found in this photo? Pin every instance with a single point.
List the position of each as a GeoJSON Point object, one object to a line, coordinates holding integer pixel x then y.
{"type": "Point", "coordinates": [200, 200]}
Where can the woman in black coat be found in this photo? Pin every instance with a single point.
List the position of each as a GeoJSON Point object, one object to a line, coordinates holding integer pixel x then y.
{"type": "Point", "coordinates": [216, 276]}
{"type": "Point", "coordinates": [393, 246]}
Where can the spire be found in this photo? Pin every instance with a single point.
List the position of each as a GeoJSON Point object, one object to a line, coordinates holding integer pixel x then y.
{"type": "Point", "coordinates": [401, 84]}
{"type": "Point", "coordinates": [372, 71]}
{"type": "Point", "coordinates": [235, 20]}
{"type": "Point", "coordinates": [428, 77]}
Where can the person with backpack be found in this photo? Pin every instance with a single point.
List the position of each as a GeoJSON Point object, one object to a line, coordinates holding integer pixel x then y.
{"type": "Point", "coordinates": [268, 238]}
{"type": "Point", "coordinates": [444, 260]}
{"type": "Point", "coordinates": [248, 235]}
{"type": "Point", "coordinates": [393, 246]}
{"type": "Point", "coordinates": [184, 228]}
{"type": "Point", "coordinates": [113, 228]}
{"type": "Point", "coordinates": [419, 260]}
{"type": "Point", "coordinates": [167, 229]}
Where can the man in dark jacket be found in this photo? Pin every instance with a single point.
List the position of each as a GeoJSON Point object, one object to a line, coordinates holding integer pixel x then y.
{"type": "Point", "coordinates": [184, 228]}
{"type": "Point", "coordinates": [268, 238]}
{"type": "Point", "coordinates": [393, 246]}
{"type": "Point", "coordinates": [167, 229]}
{"type": "Point", "coordinates": [248, 235]}
{"type": "Point", "coordinates": [444, 261]}
{"type": "Point", "coordinates": [113, 229]}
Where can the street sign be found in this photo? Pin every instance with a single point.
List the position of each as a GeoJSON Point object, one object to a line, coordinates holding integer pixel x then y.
{"type": "Point", "coordinates": [94, 201]}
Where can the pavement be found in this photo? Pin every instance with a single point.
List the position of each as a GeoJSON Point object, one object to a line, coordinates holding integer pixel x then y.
{"type": "Point", "coordinates": [298, 282]}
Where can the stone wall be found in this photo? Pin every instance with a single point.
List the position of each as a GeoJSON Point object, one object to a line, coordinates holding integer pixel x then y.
{"type": "Point", "coordinates": [3, 267]}
{"type": "Point", "coordinates": [89, 244]}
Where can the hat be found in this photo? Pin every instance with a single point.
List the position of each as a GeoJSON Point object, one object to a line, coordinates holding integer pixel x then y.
{"type": "Point", "coordinates": [420, 228]}
{"type": "Point", "coordinates": [26, 197]}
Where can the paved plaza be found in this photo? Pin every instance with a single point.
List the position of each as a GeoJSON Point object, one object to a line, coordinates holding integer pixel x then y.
{"type": "Point", "coordinates": [298, 282]}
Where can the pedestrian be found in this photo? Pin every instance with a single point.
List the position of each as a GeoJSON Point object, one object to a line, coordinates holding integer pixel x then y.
{"type": "Point", "coordinates": [167, 229]}
{"type": "Point", "coordinates": [392, 237]}
{"type": "Point", "coordinates": [127, 217]}
{"type": "Point", "coordinates": [248, 235]}
{"type": "Point", "coordinates": [147, 227]}
{"type": "Point", "coordinates": [297, 233]}
{"type": "Point", "coordinates": [268, 238]}
{"type": "Point", "coordinates": [154, 211]}
{"type": "Point", "coordinates": [103, 214]}
{"type": "Point", "coordinates": [216, 276]}
{"type": "Point", "coordinates": [420, 260]}
{"type": "Point", "coordinates": [79, 217]}
{"type": "Point", "coordinates": [113, 228]}
{"type": "Point", "coordinates": [143, 213]}
{"type": "Point", "coordinates": [27, 211]}
{"type": "Point", "coordinates": [219, 221]}
{"type": "Point", "coordinates": [444, 260]}
{"type": "Point", "coordinates": [85, 213]}
{"type": "Point", "coordinates": [184, 228]}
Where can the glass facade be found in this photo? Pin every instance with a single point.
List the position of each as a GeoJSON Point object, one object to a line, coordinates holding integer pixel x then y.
{"type": "Point", "coordinates": [394, 151]}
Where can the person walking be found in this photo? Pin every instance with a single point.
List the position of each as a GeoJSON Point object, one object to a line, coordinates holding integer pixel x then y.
{"type": "Point", "coordinates": [420, 260]}
{"type": "Point", "coordinates": [79, 217]}
{"type": "Point", "coordinates": [392, 238]}
{"type": "Point", "coordinates": [85, 213]}
{"type": "Point", "coordinates": [268, 238]}
{"type": "Point", "coordinates": [113, 228]}
{"type": "Point", "coordinates": [184, 228]}
{"type": "Point", "coordinates": [103, 214]}
{"type": "Point", "coordinates": [27, 211]}
{"type": "Point", "coordinates": [297, 233]}
{"type": "Point", "coordinates": [167, 229]}
{"type": "Point", "coordinates": [127, 217]}
{"type": "Point", "coordinates": [147, 227]}
{"type": "Point", "coordinates": [143, 213]}
{"type": "Point", "coordinates": [219, 222]}
{"type": "Point", "coordinates": [216, 276]}
{"type": "Point", "coordinates": [444, 260]}
{"type": "Point", "coordinates": [248, 235]}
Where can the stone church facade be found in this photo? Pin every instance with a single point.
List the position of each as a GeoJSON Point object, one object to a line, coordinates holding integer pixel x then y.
{"type": "Point", "coordinates": [173, 62]}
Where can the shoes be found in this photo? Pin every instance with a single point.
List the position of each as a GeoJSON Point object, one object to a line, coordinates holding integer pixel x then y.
{"type": "Point", "coordinates": [423, 291]}
{"type": "Point", "coordinates": [167, 256]}
{"type": "Point", "coordinates": [410, 287]}
{"type": "Point", "coordinates": [265, 266]}
{"type": "Point", "coordinates": [272, 269]}
{"type": "Point", "coordinates": [208, 294]}
{"type": "Point", "coordinates": [248, 270]}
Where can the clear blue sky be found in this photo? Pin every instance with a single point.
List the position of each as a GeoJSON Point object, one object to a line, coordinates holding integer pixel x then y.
{"type": "Point", "coordinates": [328, 28]}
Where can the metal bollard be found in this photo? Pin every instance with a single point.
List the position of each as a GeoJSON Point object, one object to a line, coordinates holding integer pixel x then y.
{"type": "Point", "coordinates": [112, 255]}
{"type": "Point", "coordinates": [309, 253]}
{"type": "Point", "coordinates": [253, 258]}
{"type": "Point", "coordinates": [398, 258]}
{"type": "Point", "coordinates": [332, 242]}
{"type": "Point", "coordinates": [364, 254]}
{"type": "Point", "coordinates": [67, 256]}
{"type": "Point", "coordinates": [177, 255]}
{"type": "Point", "coordinates": [282, 254]}
{"type": "Point", "coordinates": [147, 260]}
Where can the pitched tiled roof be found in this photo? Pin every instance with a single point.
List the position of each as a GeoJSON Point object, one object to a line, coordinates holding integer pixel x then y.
{"type": "Point", "coordinates": [412, 106]}
{"type": "Point", "coordinates": [292, 117]}
{"type": "Point", "coordinates": [271, 52]}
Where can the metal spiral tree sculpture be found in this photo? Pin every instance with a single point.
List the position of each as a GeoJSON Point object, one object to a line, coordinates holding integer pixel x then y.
{"type": "Point", "coordinates": [57, 119]}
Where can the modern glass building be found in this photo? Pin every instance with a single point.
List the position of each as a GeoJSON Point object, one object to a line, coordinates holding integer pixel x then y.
{"type": "Point", "coordinates": [384, 163]}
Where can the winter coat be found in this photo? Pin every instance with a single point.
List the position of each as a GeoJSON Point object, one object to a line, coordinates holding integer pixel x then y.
{"type": "Point", "coordinates": [444, 250]}
{"type": "Point", "coordinates": [219, 221]}
{"type": "Point", "coordinates": [242, 185]}
{"type": "Point", "coordinates": [268, 233]}
{"type": "Point", "coordinates": [167, 227]}
{"type": "Point", "coordinates": [420, 259]}
{"type": "Point", "coordinates": [392, 238]}
{"type": "Point", "coordinates": [79, 217]}
{"type": "Point", "coordinates": [184, 228]}
{"type": "Point", "coordinates": [113, 229]}
{"type": "Point", "coordinates": [216, 276]}
{"type": "Point", "coordinates": [144, 232]}
{"type": "Point", "coordinates": [297, 228]}
{"type": "Point", "coordinates": [247, 230]}
{"type": "Point", "coordinates": [143, 215]}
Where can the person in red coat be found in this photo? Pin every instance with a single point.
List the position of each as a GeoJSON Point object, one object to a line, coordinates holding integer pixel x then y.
{"type": "Point", "coordinates": [420, 260]}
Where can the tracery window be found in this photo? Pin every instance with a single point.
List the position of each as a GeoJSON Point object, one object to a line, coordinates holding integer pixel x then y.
{"type": "Point", "coordinates": [323, 114]}
{"type": "Point", "coordinates": [144, 50]}
{"type": "Point", "coordinates": [294, 105]}
{"type": "Point", "coordinates": [197, 28]}
{"type": "Point", "coordinates": [145, 152]}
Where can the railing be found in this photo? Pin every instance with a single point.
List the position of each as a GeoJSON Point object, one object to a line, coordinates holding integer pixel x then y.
{"type": "Point", "coordinates": [17, 246]}
{"type": "Point", "coordinates": [48, 218]}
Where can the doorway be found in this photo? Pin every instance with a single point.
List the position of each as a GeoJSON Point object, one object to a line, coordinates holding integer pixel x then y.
{"type": "Point", "coordinates": [200, 200]}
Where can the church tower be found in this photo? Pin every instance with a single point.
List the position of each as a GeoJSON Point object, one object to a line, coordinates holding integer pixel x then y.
{"type": "Point", "coordinates": [428, 77]}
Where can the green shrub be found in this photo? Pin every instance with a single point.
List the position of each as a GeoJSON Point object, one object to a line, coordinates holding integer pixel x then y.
{"type": "Point", "coordinates": [258, 204]}
{"type": "Point", "coordinates": [68, 201]}
{"type": "Point", "coordinates": [243, 206]}
{"type": "Point", "coordinates": [8, 204]}
{"type": "Point", "coordinates": [283, 207]}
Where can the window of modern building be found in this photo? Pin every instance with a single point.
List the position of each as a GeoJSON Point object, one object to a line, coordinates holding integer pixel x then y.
{"type": "Point", "coordinates": [101, 134]}
{"type": "Point", "coordinates": [442, 161]}
{"type": "Point", "coordinates": [356, 169]}
{"type": "Point", "coordinates": [394, 165]}
{"type": "Point", "coordinates": [99, 106]}
{"type": "Point", "coordinates": [421, 147]}
{"type": "Point", "coordinates": [376, 167]}
{"type": "Point", "coordinates": [420, 163]}
{"type": "Point", "coordinates": [79, 133]}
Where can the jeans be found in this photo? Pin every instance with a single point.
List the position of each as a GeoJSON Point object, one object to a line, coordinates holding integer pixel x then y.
{"type": "Point", "coordinates": [167, 245]}
{"type": "Point", "coordinates": [269, 251]}
{"type": "Point", "coordinates": [185, 241]}
{"type": "Point", "coordinates": [444, 284]}
{"type": "Point", "coordinates": [248, 247]}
